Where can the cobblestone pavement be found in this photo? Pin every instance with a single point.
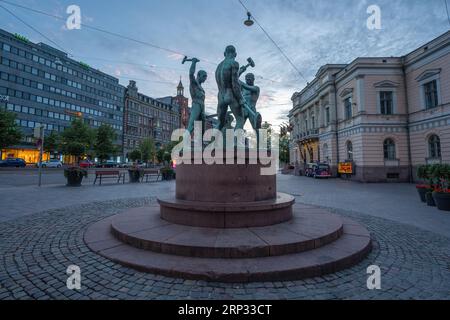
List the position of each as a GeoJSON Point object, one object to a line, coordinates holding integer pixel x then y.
{"type": "Point", "coordinates": [35, 251]}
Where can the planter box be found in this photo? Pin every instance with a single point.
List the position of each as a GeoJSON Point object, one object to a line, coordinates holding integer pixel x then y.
{"type": "Point", "coordinates": [442, 200]}
{"type": "Point", "coordinates": [429, 199]}
{"type": "Point", "coordinates": [135, 175]}
{"type": "Point", "coordinates": [74, 180]}
{"type": "Point", "coordinates": [422, 190]}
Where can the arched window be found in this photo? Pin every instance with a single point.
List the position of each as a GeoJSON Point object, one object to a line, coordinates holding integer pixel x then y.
{"type": "Point", "coordinates": [434, 147]}
{"type": "Point", "coordinates": [325, 152]}
{"type": "Point", "coordinates": [389, 149]}
{"type": "Point", "coordinates": [349, 150]}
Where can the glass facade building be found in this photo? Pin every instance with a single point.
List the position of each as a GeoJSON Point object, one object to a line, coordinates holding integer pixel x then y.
{"type": "Point", "coordinates": [43, 86]}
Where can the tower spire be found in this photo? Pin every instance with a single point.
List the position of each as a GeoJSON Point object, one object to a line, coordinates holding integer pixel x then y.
{"type": "Point", "coordinates": [180, 88]}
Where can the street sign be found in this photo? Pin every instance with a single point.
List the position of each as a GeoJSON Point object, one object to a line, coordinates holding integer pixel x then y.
{"type": "Point", "coordinates": [345, 167]}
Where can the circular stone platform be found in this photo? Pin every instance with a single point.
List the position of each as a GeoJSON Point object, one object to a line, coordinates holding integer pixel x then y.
{"type": "Point", "coordinates": [315, 242]}
{"type": "Point", "coordinates": [228, 215]}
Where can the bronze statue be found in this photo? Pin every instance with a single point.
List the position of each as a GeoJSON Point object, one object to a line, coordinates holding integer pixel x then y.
{"type": "Point", "coordinates": [227, 78]}
{"type": "Point", "coordinates": [197, 95]}
{"type": "Point", "coordinates": [250, 92]}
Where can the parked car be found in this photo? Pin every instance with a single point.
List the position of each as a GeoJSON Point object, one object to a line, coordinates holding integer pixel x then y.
{"type": "Point", "coordinates": [13, 162]}
{"type": "Point", "coordinates": [126, 164]}
{"type": "Point", "coordinates": [318, 170]}
{"type": "Point", "coordinates": [52, 163]}
{"type": "Point", "coordinates": [86, 164]}
{"type": "Point", "coordinates": [108, 164]}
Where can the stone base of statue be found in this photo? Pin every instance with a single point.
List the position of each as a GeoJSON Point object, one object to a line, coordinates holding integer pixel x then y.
{"type": "Point", "coordinates": [228, 223]}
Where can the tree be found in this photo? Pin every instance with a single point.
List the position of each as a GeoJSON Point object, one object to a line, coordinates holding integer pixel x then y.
{"type": "Point", "coordinates": [104, 143]}
{"type": "Point", "coordinates": [267, 126]}
{"type": "Point", "coordinates": [52, 142]}
{"type": "Point", "coordinates": [160, 154]}
{"type": "Point", "coordinates": [284, 149]}
{"type": "Point", "coordinates": [10, 133]}
{"type": "Point", "coordinates": [135, 155]}
{"type": "Point", "coordinates": [77, 139]}
{"type": "Point", "coordinates": [147, 148]}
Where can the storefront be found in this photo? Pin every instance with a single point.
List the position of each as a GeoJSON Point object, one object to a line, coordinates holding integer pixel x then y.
{"type": "Point", "coordinates": [28, 153]}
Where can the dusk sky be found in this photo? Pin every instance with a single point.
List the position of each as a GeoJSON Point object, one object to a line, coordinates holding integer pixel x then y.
{"type": "Point", "coordinates": [311, 32]}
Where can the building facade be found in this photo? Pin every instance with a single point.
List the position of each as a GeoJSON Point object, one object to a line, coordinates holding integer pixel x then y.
{"type": "Point", "coordinates": [146, 117]}
{"type": "Point", "coordinates": [43, 86]}
{"type": "Point", "coordinates": [385, 116]}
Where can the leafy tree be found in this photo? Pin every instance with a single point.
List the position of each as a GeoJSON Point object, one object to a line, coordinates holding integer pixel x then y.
{"type": "Point", "coordinates": [104, 143]}
{"type": "Point", "coordinates": [147, 148]}
{"type": "Point", "coordinates": [160, 154]}
{"type": "Point", "coordinates": [284, 149]}
{"type": "Point", "coordinates": [52, 142]}
{"type": "Point", "coordinates": [135, 155]}
{"type": "Point", "coordinates": [77, 140]}
{"type": "Point", "coordinates": [10, 133]}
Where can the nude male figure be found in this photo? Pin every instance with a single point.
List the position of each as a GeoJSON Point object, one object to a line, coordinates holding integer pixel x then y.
{"type": "Point", "coordinates": [197, 95]}
{"type": "Point", "coordinates": [250, 93]}
{"type": "Point", "coordinates": [230, 95]}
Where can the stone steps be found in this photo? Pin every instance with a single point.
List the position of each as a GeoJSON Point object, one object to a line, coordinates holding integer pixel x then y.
{"type": "Point", "coordinates": [347, 250]}
{"type": "Point", "coordinates": [144, 229]}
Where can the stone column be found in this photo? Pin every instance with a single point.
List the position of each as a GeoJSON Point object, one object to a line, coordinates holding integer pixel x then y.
{"type": "Point", "coordinates": [360, 93]}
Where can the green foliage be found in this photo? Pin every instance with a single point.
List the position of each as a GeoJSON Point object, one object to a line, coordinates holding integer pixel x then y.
{"type": "Point", "coordinates": [104, 146]}
{"type": "Point", "coordinates": [167, 173]}
{"type": "Point", "coordinates": [147, 148]}
{"type": "Point", "coordinates": [284, 149]}
{"type": "Point", "coordinates": [75, 171]}
{"type": "Point", "coordinates": [422, 172]}
{"type": "Point", "coordinates": [10, 133]}
{"type": "Point", "coordinates": [78, 139]}
{"type": "Point", "coordinates": [160, 154]}
{"type": "Point", "coordinates": [135, 155]}
{"type": "Point", "coordinates": [440, 173]}
{"type": "Point", "coordinates": [52, 142]}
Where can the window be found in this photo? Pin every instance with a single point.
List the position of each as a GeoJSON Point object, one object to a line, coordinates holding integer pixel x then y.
{"type": "Point", "coordinates": [348, 108]}
{"type": "Point", "coordinates": [431, 94]}
{"type": "Point", "coordinates": [325, 152]}
{"type": "Point", "coordinates": [349, 151]}
{"type": "Point", "coordinates": [389, 149]}
{"type": "Point", "coordinates": [386, 102]}
{"type": "Point", "coordinates": [327, 116]}
{"type": "Point", "coordinates": [434, 147]}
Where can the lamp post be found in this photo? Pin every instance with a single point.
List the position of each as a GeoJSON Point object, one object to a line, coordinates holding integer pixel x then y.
{"type": "Point", "coordinates": [39, 134]}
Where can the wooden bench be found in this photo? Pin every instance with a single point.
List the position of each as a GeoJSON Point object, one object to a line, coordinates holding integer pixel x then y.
{"type": "Point", "coordinates": [150, 172]}
{"type": "Point", "coordinates": [109, 174]}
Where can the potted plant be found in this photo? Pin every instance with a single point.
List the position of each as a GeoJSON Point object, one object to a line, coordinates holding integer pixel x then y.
{"type": "Point", "coordinates": [135, 173]}
{"type": "Point", "coordinates": [441, 193]}
{"type": "Point", "coordinates": [74, 176]}
{"type": "Point", "coordinates": [167, 173]}
{"type": "Point", "coordinates": [425, 186]}
{"type": "Point", "coordinates": [429, 192]}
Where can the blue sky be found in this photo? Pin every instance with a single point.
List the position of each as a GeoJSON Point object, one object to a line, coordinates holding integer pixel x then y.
{"type": "Point", "coordinates": [311, 32]}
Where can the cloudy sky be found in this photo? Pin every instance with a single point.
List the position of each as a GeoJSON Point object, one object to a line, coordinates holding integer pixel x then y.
{"type": "Point", "coordinates": [311, 32]}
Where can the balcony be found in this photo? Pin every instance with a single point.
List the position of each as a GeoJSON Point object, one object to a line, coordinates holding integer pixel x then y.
{"type": "Point", "coordinates": [308, 135]}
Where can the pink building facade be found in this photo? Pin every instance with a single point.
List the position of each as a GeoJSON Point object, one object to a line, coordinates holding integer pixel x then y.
{"type": "Point", "coordinates": [386, 116]}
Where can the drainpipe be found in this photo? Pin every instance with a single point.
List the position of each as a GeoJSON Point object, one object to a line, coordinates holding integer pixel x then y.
{"type": "Point", "coordinates": [408, 137]}
{"type": "Point", "coordinates": [336, 113]}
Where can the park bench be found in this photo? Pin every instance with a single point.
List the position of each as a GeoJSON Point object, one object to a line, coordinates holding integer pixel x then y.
{"type": "Point", "coordinates": [109, 174]}
{"type": "Point", "coordinates": [150, 172]}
